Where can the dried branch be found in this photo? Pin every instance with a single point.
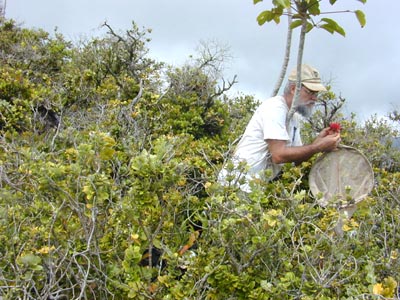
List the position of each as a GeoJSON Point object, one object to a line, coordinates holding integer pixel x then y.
{"type": "Point", "coordinates": [138, 96]}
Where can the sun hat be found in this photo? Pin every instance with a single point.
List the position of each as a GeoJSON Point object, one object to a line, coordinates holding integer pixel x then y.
{"type": "Point", "coordinates": [309, 78]}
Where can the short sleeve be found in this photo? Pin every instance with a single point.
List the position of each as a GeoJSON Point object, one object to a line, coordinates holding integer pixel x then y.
{"type": "Point", "coordinates": [273, 119]}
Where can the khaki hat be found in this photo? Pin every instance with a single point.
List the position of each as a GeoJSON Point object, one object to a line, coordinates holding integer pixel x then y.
{"type": "Point", "coordinates": [309, 78]}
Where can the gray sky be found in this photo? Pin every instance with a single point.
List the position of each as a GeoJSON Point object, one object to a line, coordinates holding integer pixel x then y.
{"type": "Point", "coordinates": [363, 67]}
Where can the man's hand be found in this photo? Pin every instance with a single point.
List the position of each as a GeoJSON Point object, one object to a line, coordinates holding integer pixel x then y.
{"type": "Point", "coordinates": [327, 140]}
{"type": "Point", "coordinates": [281, 153]}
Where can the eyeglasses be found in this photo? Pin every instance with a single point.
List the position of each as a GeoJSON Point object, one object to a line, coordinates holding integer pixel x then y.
{"type": "Point", "coordinates": [310, 92]}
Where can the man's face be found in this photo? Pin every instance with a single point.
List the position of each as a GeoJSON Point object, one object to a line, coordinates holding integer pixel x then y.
{"type": "Point", "coordinates": [306, 101]}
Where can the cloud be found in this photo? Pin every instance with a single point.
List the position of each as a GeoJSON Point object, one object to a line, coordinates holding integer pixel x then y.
{"type": "Point", "coordinates": [364, 66]}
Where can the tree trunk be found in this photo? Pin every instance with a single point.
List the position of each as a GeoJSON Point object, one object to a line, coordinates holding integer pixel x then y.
{"type": "Point", "coordinates": [287, 55]}
{"type": "Point", "coordinates": [299, 63]}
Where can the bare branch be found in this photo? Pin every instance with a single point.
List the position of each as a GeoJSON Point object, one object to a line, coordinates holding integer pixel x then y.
{"type": "Point", "coordinates": [138, 96]}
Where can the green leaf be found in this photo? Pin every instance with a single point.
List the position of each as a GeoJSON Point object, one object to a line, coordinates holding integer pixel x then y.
{"type": "Point", "coordinates": [282, 3]}
{"type": "Point", "coordinates": [266, 285]}
{"type": "Point", "coordinates": [256, 1]}
{"type": "Point", "coordinates": [29, 260]}
{"type": "Point", "coordinates": [340, 30]}
{"type": "Point", "coordinates": [332, 2]}
{"type": "Point", "coordinates": [360, 17]}
{"type": "Point", "coordinates": [327, 28]}
{"type": "Point", "coordinates": [296, 16]}
{"type": "Point", "coordinates": [107, 153]}
{"type": "Point", "coordinates": [277, 19]}
{"type": "Point", "coordinates": [295, 24]}
{"type": "Point", "coordinates": [331, 26]}
{"type": "Point", "coordinates": [265, 16]}
{"type": "Point", "coordinates": [313, 8]}
{"type": "Point", "coordinates": [363, 1]}
{"type": "Point", "coordinates": [298, 23]}
{"type": "Point", "coordinates": [309, 27]}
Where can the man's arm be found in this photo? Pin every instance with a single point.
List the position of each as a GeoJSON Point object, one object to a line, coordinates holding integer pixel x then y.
{"type": "Point", "coordinates": [281, 153]}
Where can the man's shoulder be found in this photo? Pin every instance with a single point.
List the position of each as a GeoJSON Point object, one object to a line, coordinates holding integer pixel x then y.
{"type": "Point", "coordinates": [273, 102]}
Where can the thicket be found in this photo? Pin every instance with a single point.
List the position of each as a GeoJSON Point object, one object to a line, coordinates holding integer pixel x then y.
{"type": "Point", "coordinates": [108, 187]}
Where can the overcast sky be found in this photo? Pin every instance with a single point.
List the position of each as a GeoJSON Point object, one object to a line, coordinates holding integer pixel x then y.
{"type": "Point", "coordinates": [363, 67]}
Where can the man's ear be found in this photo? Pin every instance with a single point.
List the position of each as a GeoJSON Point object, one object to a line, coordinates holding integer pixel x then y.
{"type": "Point", "coordinates": [292, 88]}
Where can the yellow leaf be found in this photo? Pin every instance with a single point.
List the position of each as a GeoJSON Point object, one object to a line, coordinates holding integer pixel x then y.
{"type": "Point", "coordinates": [88, 191]}
{"type": "Point", "coordinates": [272, 217]}
{"type": "Point", "coordinates": [346, 227]}
{"type": "Point", "coordinates": [107, 153]}
{"type": "Point", "coordinates": [135, 237]}
{"type": "Point", "coordinates": [164, 280]}
{"type": "Point", "coordinates": [109, 141]}
{"type": "Point", "coordinates": [377, 289]}
{"type": "Point", "coordinates": [390, 286]}
{"type": "Point", "coordinates": [207, 185]}
{"type": "Point", "coordinates": [46, 249]}
{"type": "Point", "coordinates": [385, 289]}
{"type": "Point", "coordinates": [182, 182]}
{"type": "Point", "coordinates": [71, 153]}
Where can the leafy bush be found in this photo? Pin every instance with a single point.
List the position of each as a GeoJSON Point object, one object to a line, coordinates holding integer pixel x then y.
{"type": "Point", "coordinates": [119, 200]}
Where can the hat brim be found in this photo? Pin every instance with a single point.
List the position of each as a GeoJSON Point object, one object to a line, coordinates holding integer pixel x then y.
{"type": "Point", "coordinates": [317, 87]}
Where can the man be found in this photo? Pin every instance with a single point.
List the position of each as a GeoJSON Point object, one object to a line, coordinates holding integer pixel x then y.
{"type": "Point", "coordinates": [267, 143]}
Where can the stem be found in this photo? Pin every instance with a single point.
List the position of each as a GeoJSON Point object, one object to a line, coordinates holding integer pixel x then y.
{"type": "Point", "coordinates": [287, 55]}
{"type": "Point", "coordinates": [299, 63]}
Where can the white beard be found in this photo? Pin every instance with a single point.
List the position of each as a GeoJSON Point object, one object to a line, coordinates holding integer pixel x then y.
{"type": "Point", "coordinates": [305, 109]}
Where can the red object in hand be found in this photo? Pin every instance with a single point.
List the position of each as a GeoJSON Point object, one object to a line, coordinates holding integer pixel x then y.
{"type": "Point", "coordinates": [335, 127]}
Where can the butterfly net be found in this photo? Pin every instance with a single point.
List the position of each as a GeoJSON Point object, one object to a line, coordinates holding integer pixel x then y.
{"type": "Point", "coordinates": [341, 178]}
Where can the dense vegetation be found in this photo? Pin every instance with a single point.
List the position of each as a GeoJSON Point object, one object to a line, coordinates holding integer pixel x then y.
{"type": "Point", "coordinates": [108, 187]}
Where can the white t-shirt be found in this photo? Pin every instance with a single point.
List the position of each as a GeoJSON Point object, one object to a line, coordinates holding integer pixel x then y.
{"type": "Point", "coordinates": [268, 122]}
